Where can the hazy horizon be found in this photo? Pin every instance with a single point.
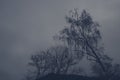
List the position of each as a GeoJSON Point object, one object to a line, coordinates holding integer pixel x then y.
{"type": "Point", "coordinates": [29, 25]}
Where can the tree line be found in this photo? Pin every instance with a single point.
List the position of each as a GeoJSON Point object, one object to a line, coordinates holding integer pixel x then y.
{"type": "Point", "coordinates": [81, 37]}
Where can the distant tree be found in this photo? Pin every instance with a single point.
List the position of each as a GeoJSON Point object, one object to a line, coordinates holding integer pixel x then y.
{"type": "Point", "coordinates": [62, 60]}
{"type": "Point", "coordinates": [83, 36]}
{"type": "Point", "coordinates": [40, 61]}
{"type": "Point", "coordinates": [56, 60]}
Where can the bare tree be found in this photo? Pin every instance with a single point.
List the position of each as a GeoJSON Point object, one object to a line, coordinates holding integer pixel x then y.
{"type": "Point", "coordinates": [82, 33]}
{"type": "Point", "coordinates": [40, 61]}
{"type": "Point", "coordinates": [56, 60]}
{"type": "Point", "coordinates": [62, 60]}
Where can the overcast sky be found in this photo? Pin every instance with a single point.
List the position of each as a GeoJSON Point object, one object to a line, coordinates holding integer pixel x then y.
{"type": "Point", "coordinates": [28, 25]}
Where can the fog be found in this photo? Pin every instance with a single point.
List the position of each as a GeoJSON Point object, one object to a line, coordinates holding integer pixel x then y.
{"type": "Point", "coordinates": [29, 25]}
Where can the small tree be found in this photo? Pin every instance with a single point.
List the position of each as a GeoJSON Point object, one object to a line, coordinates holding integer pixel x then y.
{"type": "Point", "coordinates": [41, 62]}
{"type": "Point", "coordinates": [56, 60]}
{"type": "Point", "coordinates": [62, 60]}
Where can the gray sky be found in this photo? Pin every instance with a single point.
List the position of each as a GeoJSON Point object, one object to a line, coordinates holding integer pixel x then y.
{"type": "Point", "coordinates": [27, 25]}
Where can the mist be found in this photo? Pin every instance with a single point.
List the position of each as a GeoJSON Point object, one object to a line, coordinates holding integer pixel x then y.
{"type": "Point", "coordinates": [29, 25]}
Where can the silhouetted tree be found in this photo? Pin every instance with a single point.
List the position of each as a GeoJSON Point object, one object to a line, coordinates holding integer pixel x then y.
{"type": "Point", "coordinates": [56, 60]}
{"type": "Point", "coordinates": [83, 35]}
{"type": "Point", "coordinates": [62, 60]}
{"type": "Point", "coordinates": [40, 61]}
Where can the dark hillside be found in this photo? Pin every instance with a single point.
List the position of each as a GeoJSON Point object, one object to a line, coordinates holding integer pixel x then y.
{"type": "Point", "coordinates": [67, 77]}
